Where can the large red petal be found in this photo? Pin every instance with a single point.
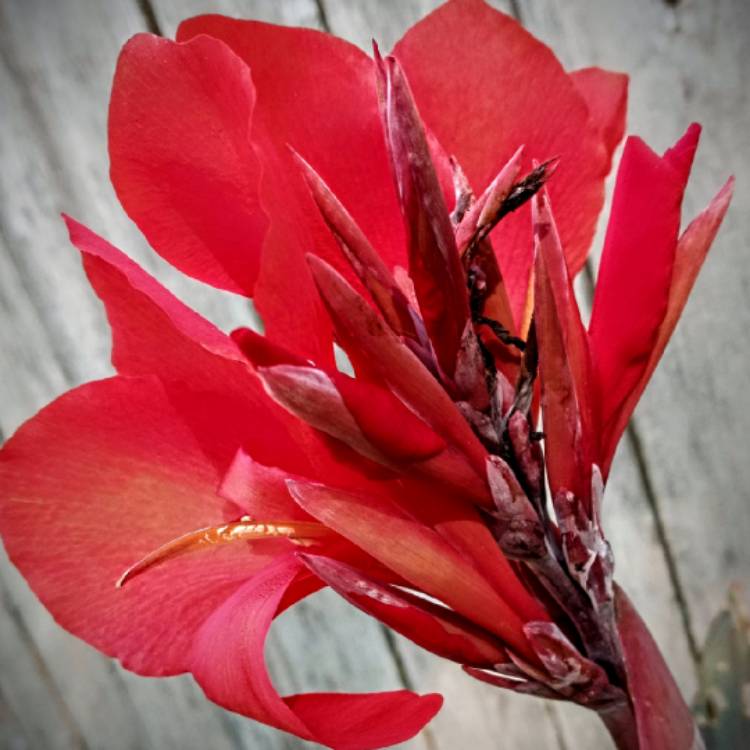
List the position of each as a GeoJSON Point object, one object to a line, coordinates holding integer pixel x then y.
{"type": "Point", "coordinates": [181, 158]}
{"type": "Point", "coordinates": [154, 333]}
{"type": "Point", "coordinates": [691, 251]}
{"type": "Point", "coordinates": [97, 480]}
{"type": "Point", "coordinates": [227, 660]}
{"type": "Point", "coordinates": [229, 664]}
{"type": "Point", "coordinates": [606, 94]}
{"type": "Point", "coordinates": [485, 86]}
{"type": "Point", "coordinates": [316, 94]}
{"type": "Point", "coordinates": [635, 275]}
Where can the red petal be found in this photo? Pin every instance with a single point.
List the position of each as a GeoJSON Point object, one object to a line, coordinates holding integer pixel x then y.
{"type": "Point", "coordinates": [263, 352]}
{"type": "Point", "coordinates": [181, 159]}
{"type": "Point", "coordinates": [680, 156]}
{"type": "Point", "coordinates": [563, 360]}
{"type": "Point", "coordinates": [692, 248]}
{"type": "Point", "coordinates": [415, 552]}
{"type": "Point", "coordinates": [92, 484]}
{"type": "Point", "coordinates": [365, 722]}
{"type": "Point", "coordinates": [662, 718]}
{"type": "Point", "coordinates": [606, 94]}
{"type": "Point", "coordinates": [482, 118]}
{"type": "Point", "coordinates": [154, 333]}
{"type": "Point", "coordinates": [433, 627]}
{"type": "Point", "coordinates": [129, 293]}
{"type": "Point", "coordinates": [228, 663]}
{"type": "Point", "coordinates": [316, 94]}
{"type": "Point", "coordinates": [635, 274]}
{"type": "Point", "coordinates": [227, 659]}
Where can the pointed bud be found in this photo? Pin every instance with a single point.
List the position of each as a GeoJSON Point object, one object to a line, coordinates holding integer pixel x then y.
{"type": "Point", "coordinates": [571, 674]}
{"type": "Point", "coordinates": [311, 395]}
{"type": "Point", "coordinates": [516, 525]}
{"type": "Point", "coordinates": [464, 195]}
{"type": "Point", "coordinates": [564, 362]}
{"type": "Point", "coordinates": [434, 263]}
{"type": "Point", "coordinates": [485, 208]}
{"type": "Point", "coordinates": [429, 625]}
{"type": "Point", "coordinates": [470, 374]}
{"type": "Point", "coordinates": [363, 258]}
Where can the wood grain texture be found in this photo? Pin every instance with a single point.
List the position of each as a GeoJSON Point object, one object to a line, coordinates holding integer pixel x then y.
{"type": "Point", "coordinates": [684, 465]}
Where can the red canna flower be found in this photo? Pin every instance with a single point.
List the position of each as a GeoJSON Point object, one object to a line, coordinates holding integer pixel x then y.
{"type": "Point", "coordinates": [168, 514]}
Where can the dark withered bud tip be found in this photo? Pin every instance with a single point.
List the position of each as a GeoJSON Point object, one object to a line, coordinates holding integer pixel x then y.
{"type": "Point", "coordinates": [530, 185]}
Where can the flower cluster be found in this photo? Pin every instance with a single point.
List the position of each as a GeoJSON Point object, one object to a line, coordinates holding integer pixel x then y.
{"type": "Point", "coordinates": [450, 485]}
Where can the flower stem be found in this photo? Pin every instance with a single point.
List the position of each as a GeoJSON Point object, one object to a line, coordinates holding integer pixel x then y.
{"type": "Point", "coordinates": [598, 637]}
{"type": "Point", "coordinates": [620, 722]}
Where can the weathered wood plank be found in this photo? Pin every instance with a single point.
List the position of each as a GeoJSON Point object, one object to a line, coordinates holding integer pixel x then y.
{"type": "Point", "coordinates": [12, 735]}
{"type": "Point", "coordinates": [361, 21]}
{"type": "Point", "coordinates": [26, 682]}
{"type": "Point", "coordinates": [169, 13]}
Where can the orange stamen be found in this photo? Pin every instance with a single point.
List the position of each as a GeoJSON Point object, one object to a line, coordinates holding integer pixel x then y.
{"type": "Point", "coordinates": [299, 532]}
